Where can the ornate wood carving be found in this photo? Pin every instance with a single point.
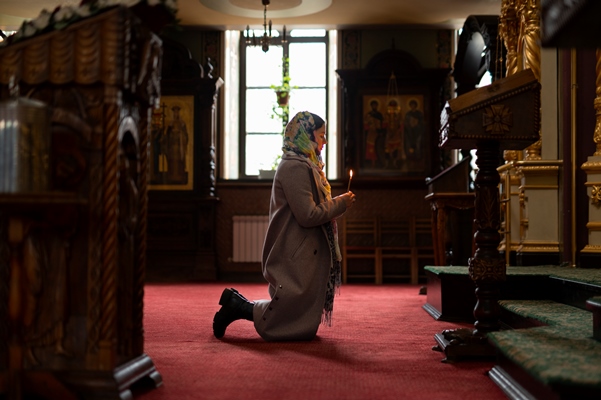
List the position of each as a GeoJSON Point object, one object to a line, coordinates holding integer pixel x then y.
{"type": "Point", "coordinates": [481, 119]}
{"type": "Point", "coordinates": [508, 111]}
{"type": "Point", "coordinates": [76, 257]}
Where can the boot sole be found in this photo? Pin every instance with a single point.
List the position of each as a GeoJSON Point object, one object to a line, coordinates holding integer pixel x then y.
{"type": "Point", "coordinates": [218, 335]}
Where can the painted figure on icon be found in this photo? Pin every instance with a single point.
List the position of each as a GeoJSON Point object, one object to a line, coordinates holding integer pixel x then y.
{"type": "Point", "coordinates": [394, 135]}
{"type": "Point", "coordinates": [374, 126]}
{"type": "Point", "coordinates": [414, 129]}
{"type": "Point", "coordinates": [169, 147]}
{"type": "Point", "coordinates": [176, 147]}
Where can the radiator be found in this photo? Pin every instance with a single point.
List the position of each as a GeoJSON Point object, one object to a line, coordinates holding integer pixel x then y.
{"type": "Point", "coordinates": [249, 235]}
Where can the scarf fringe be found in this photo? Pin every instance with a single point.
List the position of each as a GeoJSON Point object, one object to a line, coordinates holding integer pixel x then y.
{"type": "Point", "coordinates": [326, 316]}
{"type": "Point", "coordinates": [332, 291]}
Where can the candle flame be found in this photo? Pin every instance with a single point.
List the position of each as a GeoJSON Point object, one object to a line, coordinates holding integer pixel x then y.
{"type": "Point", "coordinates": [348, 189]}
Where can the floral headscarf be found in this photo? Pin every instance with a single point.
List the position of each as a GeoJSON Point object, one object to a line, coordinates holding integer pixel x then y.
{"type": "Point", "coordinates": [299, 138]}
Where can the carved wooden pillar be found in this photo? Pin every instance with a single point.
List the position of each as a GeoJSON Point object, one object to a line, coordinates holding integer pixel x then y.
{"type": "Point", "coordinates": [487, 268]}
{"type": "Point", "coordinates": [141, 237]}
{"type": "Point", "coordinates": [208, 90]}
{"type": "Point", "coordinates": [108, 294]}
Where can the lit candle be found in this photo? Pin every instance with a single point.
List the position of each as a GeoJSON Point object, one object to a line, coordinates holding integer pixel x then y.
{"type": "Point", "coordinates": [348, 189]}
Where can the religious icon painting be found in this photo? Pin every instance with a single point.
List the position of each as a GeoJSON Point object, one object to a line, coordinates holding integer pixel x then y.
{"type": "Point", "coordinates": [172, 144]}
{"type": "Point", "coordinates": [393, 135]}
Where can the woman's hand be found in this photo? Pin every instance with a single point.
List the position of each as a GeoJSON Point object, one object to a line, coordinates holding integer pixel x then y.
{"type": "Point", "coordinates": [349, 199]}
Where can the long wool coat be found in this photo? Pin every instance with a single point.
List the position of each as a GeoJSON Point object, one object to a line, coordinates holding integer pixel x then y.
{"type": "Point", "coordinates": [296, 254]}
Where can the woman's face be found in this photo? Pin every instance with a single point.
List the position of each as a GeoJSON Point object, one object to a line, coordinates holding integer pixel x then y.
{"type": "Point", "coordinates": [320, 138]}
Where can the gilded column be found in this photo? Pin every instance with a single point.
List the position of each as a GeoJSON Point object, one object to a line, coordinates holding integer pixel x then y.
{"type": "Point", "coordinates": [529, 50]}
{"type": "Point", "coordinates": [531, 180]}
{"type": "Point", "coordinates": [592, 167]}
{"type": "Point", "coordinates": [508, 30]}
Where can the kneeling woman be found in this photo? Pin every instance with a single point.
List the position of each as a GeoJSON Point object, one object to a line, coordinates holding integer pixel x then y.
{"type": "Point", "coordinates": [301, 257]}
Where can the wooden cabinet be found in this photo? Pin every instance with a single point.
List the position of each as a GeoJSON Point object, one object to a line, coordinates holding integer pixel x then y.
{"type": "Point", "coordinates": [182, 197]}
{"type": "Point", "coordinates": [73, 259]}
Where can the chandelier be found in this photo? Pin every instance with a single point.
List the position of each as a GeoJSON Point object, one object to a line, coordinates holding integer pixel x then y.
{"type": "Point", "coordinates": [266, 39]}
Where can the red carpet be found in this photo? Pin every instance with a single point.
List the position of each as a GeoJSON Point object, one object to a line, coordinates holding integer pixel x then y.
{"type": "Point", "coordinates": [379, 347]}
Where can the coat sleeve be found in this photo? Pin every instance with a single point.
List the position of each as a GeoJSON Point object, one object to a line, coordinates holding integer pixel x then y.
{"type": "Point", "coordinates": [309, 207]}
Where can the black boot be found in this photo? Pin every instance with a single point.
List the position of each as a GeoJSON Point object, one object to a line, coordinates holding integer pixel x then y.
{"type": "Point", "coordinates": [233, 306]}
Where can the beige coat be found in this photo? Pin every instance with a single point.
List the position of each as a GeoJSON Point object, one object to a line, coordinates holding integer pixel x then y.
{"type": "Point", "coordinates": [296, 254]}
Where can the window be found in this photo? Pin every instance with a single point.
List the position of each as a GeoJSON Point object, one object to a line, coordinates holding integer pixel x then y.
{"type": "Point", "coordinates": [254, 119]}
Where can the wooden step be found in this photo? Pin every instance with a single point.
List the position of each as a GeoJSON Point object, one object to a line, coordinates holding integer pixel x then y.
{"type": "Point", "coordinates": [594, 305]}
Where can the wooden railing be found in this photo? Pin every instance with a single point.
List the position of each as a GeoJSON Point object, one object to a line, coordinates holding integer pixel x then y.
{"type": "Point", "coordinates": [379, 239]}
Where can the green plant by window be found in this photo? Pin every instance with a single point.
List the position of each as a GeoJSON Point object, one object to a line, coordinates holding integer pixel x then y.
{"type": "Point", "coordinates": [284, 88]}
{"type": "Point", "coordinates": [281, 110]}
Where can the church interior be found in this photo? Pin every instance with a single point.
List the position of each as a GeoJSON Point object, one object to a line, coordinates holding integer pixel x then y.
{"type": "Point", "coordinates": [125, 161]}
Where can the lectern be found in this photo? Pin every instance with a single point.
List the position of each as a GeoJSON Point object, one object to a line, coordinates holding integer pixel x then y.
{"type": "Point", "coordinates": [72, 255]}
{"type": "Point", "coordinates": [501, 116]}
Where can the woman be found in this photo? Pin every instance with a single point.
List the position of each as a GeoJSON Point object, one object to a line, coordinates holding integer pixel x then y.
{"type": "Point", "coordinates": [301, 257]}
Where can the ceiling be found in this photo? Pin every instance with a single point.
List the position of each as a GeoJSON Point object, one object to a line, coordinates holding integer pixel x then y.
{"type": "Point", "coordinates": [236, 14]}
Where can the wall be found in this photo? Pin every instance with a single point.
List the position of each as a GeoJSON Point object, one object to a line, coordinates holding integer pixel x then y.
{"type": "Point", "coordinates": [433, 48]}
{"type": "Point", "coordinates": [421, 43]}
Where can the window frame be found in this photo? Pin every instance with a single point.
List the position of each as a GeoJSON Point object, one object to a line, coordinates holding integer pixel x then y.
{"type": "Point", "coordinates": [275, 41]}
